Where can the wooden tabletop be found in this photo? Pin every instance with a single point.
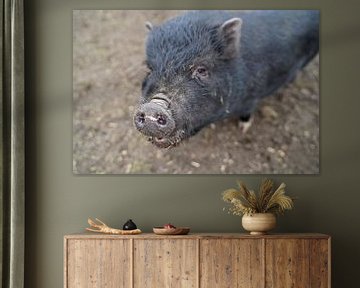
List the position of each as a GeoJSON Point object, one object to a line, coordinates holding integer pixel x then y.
{"type": "Point", "coordinates": [89, 235]}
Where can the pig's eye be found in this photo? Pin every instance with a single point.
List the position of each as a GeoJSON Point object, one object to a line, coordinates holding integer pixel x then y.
{"type": "Point", "coordinates": [200, 72]}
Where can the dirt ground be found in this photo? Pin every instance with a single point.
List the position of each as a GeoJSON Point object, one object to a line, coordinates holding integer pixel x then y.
{"type": "Point", "coordinates": [108, 68]}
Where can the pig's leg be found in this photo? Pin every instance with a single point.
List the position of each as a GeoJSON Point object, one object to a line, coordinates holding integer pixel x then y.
{"type": "Point", "coordinates": [245, 123]}
{"type": "Point", "coordinates": [246, 114]}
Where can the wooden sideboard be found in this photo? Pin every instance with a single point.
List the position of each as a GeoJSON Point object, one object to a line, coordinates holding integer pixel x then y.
{"type": "Point", "coordinates": [197, 260]}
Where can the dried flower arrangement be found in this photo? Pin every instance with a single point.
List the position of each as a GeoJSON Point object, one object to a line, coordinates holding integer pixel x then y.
{"type": "Point", "coordinates": [247, 202]}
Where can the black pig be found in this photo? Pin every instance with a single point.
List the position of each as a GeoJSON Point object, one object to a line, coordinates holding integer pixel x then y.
{"type": "Point", "coordinates": [205, 66]}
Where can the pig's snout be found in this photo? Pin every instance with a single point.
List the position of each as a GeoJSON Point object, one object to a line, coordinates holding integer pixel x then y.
{"type": "Point", "coordinates": [154, 119]}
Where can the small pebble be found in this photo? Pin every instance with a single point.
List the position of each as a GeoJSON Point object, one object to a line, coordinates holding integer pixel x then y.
{"type": "Point", "coordinates": [112, 125]}
{"type": "Point", "coordinates": [281, 153]}
{"type": "Point", "coordinates": [270, 150]}
{"type": "Point", "coordinates": [305, 91]}
{"type": "Point", "coordinates": [195, 164]}
{"type": "Point", "coordinates": [269, 112]}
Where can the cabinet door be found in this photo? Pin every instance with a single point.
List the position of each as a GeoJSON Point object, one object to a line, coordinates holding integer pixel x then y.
{"type": "Point", "coordinates": [98, 263]}
{"type": "Point", "coordinates": [165, 263]}
{"type": "Point", "coordinates": [231, 263]}
{"type": "Point", "coordinates": [287, 263]}
{"type": "Point", "coordinates": [320, 263]}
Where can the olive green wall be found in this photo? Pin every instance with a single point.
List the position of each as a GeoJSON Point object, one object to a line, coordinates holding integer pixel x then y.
{"type": "Point", "coordinates": [59, 202]}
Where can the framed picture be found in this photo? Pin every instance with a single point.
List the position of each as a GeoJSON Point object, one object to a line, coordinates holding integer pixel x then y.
{"type": "Point", "coordinates": [141, 107]}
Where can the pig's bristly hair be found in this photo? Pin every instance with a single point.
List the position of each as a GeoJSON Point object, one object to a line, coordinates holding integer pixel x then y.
{"type": "Point", "coordinates": [188, 37]}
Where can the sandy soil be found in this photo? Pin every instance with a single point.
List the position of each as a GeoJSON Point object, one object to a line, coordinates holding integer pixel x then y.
{"type": "Point", "coordinates": [107, 74]}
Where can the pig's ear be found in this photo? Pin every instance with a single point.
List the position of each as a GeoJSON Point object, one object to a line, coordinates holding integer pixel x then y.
{"type": "Point", "coordinates": [148, 26]}
{"type": "Point", "coordinates": [230, 32]}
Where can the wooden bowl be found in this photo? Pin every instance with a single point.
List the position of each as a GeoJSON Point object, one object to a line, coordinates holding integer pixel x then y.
{"type": "Point", "coordinates": [171, 231]}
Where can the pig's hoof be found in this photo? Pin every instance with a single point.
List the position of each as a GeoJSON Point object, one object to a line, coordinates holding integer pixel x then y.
{"type": "Point", "coordinates": [245, 125]}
